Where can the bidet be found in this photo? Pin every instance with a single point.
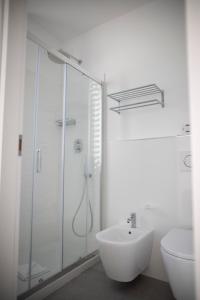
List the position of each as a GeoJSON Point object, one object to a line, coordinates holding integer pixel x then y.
{"type": "Point", "coordinates": [125, 252]}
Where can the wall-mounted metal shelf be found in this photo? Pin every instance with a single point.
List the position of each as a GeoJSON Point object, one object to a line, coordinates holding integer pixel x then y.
{"type": "Point", "coordinates": [149, 95]}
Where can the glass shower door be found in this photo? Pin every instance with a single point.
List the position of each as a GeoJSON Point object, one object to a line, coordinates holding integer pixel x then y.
{"type": "Point", "coordinates": [76, 147]}
{"type": "Point", "coordinates": [82, 167]}
{"type": "Point", "coordinates": [61, 166]}
{"type": "Point", "coordinates": [46, 245]}
{"type": "Point", "coordinates": [27, 168]}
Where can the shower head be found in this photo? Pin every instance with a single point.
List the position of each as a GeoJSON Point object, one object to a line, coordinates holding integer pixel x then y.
{"type": "Point", "coordinates": [68, 122]}
{"type": "Point", "coordinates": [55, 59]}
{"type": "Point", "coordinates": [70, 56]}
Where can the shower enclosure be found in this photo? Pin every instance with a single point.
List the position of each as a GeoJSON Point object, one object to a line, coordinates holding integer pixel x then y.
{"type": "Point", "coordinates": [61, 168]}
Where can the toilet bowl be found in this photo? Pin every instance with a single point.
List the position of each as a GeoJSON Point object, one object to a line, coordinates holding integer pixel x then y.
{"type": "Point", "coordinates": [178, 258]}
{"type": "Point", "coordinates": [125, 252]}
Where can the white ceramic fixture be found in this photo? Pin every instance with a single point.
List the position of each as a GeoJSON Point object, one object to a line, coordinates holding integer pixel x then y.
{"type": "Point", "coordinates": [125, 252]}
{"type": "Point", "coordinates": [178, 257]}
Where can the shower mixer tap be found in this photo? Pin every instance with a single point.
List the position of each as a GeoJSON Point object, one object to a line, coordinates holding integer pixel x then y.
{"type": "Point", "coordinates": [78, 146]}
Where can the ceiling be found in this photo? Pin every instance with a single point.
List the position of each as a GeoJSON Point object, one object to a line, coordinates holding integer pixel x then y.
{"type": "Point", "coordinates": [66, 19]}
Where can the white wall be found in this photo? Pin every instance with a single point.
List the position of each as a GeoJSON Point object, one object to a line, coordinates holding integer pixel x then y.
{"type": "Point", "coordinates": [45, 37]}
{"type": "Point", "coordinates": [144, 172]}
{"type": "Point", "coordinates": [145, 46]}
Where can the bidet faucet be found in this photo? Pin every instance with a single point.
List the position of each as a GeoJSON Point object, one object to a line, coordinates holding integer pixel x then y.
{"type": "Point", "coordinates": [132, 219]}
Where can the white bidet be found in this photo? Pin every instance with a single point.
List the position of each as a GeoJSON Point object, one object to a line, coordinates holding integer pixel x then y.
{"type": "Point", "coordinates": [125, 252]}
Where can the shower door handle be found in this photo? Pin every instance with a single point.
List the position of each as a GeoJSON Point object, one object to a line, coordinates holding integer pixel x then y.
{"type": "Point", "coordinates": [38, 161]}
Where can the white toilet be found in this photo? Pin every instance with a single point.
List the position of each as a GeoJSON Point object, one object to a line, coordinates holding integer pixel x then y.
{"type": "Point", "coordinates": [178, 257]}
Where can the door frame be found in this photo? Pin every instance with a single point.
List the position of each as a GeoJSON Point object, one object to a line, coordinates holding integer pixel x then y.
{"type": "Point", "coordinates": [11, 112]}
{"type": "Point", "coordinates": [193, 50]}
{"type": "Point", "coordinates": [4, 17]}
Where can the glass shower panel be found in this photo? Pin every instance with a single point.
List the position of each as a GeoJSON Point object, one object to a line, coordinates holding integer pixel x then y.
{"type": "Point", "coordinates": [82, 167]}
{"type": "Point", "coordinates": [46, 255]}
{"type": "Point", "coordinates": [61, 168]}
{"type": "Point", "coordinates": [27, 168]}
{"type": "Point", "coordinates": [76, 150]}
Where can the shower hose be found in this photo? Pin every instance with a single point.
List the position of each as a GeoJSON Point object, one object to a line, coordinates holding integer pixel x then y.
{"type": "Point", "coordinates": [85, 195]}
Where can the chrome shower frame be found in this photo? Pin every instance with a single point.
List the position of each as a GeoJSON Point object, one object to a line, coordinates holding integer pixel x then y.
{"type": "Point", "coordinates": [60, 58]}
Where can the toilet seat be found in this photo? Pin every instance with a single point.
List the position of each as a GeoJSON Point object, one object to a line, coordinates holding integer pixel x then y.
{"type": "Point", "coordinates": [179, 243]}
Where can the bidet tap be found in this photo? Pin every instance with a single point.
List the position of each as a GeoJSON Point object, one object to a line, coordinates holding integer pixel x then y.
{"type": "Point", "coordinates": [132, 219]}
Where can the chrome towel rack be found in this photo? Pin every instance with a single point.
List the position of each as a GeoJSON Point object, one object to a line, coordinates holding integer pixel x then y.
{"type": "Point", "coordinates": [149, 95]}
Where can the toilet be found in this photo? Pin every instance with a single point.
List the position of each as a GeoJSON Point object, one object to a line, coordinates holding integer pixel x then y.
{"type": "Point", "coordinates": [178, 257]}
